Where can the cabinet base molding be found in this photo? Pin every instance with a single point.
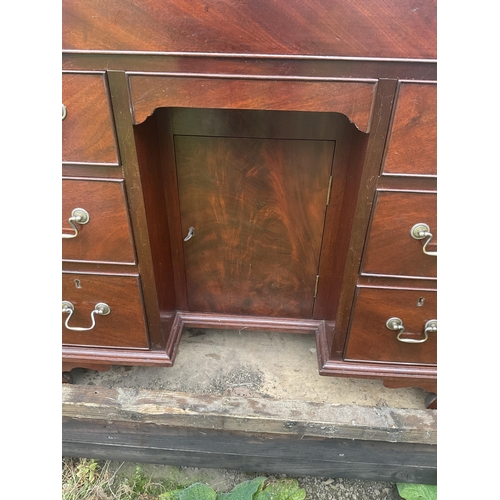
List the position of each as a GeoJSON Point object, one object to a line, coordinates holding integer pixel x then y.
{"type": "Point", "coordinates": [394, 375]}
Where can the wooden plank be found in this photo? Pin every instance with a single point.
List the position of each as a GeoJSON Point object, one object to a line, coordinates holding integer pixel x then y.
{"type": "Point", "coordinates": [250, 415]}
{"type": "Point", "coordinates": [151, 443]}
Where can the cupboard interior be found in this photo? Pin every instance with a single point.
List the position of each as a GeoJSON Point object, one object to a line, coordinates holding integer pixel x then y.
{"type": "Point", "coordinates": [249, 212]}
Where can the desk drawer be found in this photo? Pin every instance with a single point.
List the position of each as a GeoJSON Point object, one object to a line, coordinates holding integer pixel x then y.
{"type": "Point", "coordinates": [371, 340]}
{"type": "Point", "coordinates": [87, 130]}
{"type": "Point", "coordinates": [412, 145]}
{"type": "Point", "coordinates": [107, 236]}
{"type": "Point", "coordinates": [390, 248]}
{"type": "Point", "coordinates": [124, 326]}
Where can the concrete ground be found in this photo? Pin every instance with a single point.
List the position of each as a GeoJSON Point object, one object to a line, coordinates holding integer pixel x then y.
{"type": "Point", "coordinates": [245, 363]}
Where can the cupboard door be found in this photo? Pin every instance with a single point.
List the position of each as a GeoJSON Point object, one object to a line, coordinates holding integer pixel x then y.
{"type": "Point", "coordinates": [257, 209]}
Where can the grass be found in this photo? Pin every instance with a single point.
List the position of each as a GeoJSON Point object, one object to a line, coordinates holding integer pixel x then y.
{"type": "Point", "coordinates": [88, 479]}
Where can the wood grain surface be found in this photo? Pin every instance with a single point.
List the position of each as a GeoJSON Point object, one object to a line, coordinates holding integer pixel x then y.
{"type": "Point", "coordinates": [88, 129]}
{"type": "Point", "coordinates": [124, 326]}
{"type": "Point", "coordinates": [379, 28]}
{"type": "Point", "coordinates": [247, 414]}
{"type": "Point", "coordinates": [354, 99]}
{"type": "Point", "coordinates": [257, 207]}
{"type": "Point", "coordinates": [107, 236]}
{"type": "Point", "coordinates": [370, 339]}
{"type": "Point", "coordinates": [390, 248]}
{"type": "Point", "coordinates": [413, 139]}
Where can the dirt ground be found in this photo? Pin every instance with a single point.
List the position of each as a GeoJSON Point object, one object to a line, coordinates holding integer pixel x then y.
{"type": "Point", "coordinates": [246, 363]}
{"type": "Point", "coordinates": [272, 365]}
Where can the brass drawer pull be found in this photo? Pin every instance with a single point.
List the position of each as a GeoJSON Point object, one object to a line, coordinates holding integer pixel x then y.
{"type": "Point", "coordinates": [419, 232]}
{"type": "Point", "coordinates": [80, 216]}
{"type": "Point", "coordinates": [67, 307]}
{"type": "Point", "coordinates": [396, 324]}
{"type": "Point", "coordinates": [64, 112]}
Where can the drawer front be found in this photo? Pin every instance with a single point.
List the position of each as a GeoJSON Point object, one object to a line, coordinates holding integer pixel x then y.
{"type": "Point", "coordinates": [370, 339]}
{"type": "Point", "coordinates": [390, 248]}
{"type": "Point", "coordinates": [412, 146]}
{"type": "Point", "coordinates": [87, 130]}
{"type": "Point", "coordinates": [124, 326]}
{"type": "Point", "coordinates": [107, 236]}
{"type": "Point", "coordinates": [353, 99]}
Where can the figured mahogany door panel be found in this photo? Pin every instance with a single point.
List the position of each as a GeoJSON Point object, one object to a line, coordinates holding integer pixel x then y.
{"type": "Point", "coordinates": [87, 130]}
{"type": "Point", "coordinates": [257, 207]}
{"type": "Point", "coordinates": [390, 248]}
{"type": "Point", "coordinates": [124, 326]}
{"type": "Point", "coordinates": [413, 140]}
{"type": "Point", "coordinates": [378, 28]}
{"type": "Point", "coordinates": [107, 236]}
{"type": "Point", "coordinates": [370, 339]}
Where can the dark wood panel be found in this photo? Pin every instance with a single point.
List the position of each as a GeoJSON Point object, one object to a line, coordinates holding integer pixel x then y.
{"type": "Point", "coordinates": [88, 129]}
{"type": "Point", "coordinates": [350, 149]}
{"type": "Point", "coordinates": [291, 464]}
{"type": "Point", "coordinates": [362, 182]}
{"type": "Point", "coordinates": [265, 446]}
{"type": "Point", "coordinates": [105, 171]}
{"type": "Point", "coordinates": [390, 248]}
{"type": "Point", "coordinates": [120, 100]}
{"type": "Point", "coordinates": [413, 139]}
{"type": "Point", "coordinates": [354, 99]}
{"type": "Point", "coordinates": [249, 323]}
{"type": "Point", "coordinates": [407, 183]}
{"type": "Point", "coordinates": [391, 28]}
{"type": "Point", "coordinates": [256, 123]}
{"type": "Point", "coordinates": [257, 207]}
{"type": "Point", "coordinates": [246, 452]}
{"type": "Point", "coordinates": [124, 326]}
{"type": "Point", "coordinates": [396, 282]}
{"type": "Point", "coordinates": [370, 339]}
{"type": "Point", "coordinates": [99, 268]}
{"type": "Point", "coordinates": [107, 236]}
{"type": "Point", "coordinates": [150, 165]}
{"type": "Point", "coordinates": [81, 356]}
{"type": "Point", "coordinates": [167, 153]}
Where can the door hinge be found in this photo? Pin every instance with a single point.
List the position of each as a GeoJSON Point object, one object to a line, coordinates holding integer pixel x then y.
{"type": "Point", "coordinates": [316, 286]}
{"type": "Point", "coordinates": [329, 190]}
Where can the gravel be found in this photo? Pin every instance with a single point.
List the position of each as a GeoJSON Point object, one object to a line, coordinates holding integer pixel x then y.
{"type": "Point", "coordinates": [224, 480]}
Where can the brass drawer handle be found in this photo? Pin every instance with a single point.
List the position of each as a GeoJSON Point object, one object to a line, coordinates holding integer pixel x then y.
{"type": "Point", "coordinates": [419, 232]}
{"type": "Point", "coordinates": [396, 324]}
{"type": "Point", "coordinates": [80, 216]}
{"type": "Point", "coordinates": [64, 112]}
{"type": "Point", "coordinates": [67, 307]}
